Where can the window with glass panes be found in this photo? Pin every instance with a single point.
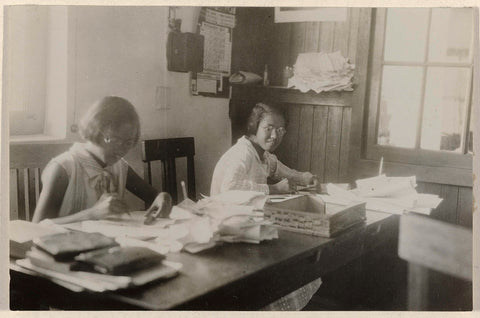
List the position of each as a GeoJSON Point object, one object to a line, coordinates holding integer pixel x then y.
{"type": "Point", "coordinates": [421, 86]}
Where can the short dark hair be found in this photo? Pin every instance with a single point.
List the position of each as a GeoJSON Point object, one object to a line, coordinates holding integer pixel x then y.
{"type": "Point", "coordinates": [108, 113]}
{"type": "Point", "coordinates": [258, 113]}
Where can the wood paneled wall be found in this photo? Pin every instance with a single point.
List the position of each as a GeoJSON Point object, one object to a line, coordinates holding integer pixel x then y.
{"type": "Point", "coordinates": [456, 206]}
{"type": "Point", "coordinates": [317, 140]}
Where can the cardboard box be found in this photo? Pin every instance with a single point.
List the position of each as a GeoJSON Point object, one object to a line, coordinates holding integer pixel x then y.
{"type": "Point", "coordinates": [309, 214]}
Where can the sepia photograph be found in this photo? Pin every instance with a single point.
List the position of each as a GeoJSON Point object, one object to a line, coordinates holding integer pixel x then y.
{"type": "Point", "coordinates": [248, 158]}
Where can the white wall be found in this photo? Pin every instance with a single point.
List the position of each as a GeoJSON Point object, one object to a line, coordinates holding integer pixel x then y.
{"type": "Point", "coordinates": [122, 51]}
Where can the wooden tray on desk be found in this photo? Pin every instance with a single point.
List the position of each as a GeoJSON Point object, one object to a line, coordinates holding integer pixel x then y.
{"type": "Point", "coordinates": [309, 214]}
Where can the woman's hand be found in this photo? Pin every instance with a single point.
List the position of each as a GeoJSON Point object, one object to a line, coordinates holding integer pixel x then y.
{"type": "Point", "coordinates": [308, 179]}
{"type": "Point", "coordinates": [161, 206]}
{"type": "Point", "coordinates": [284, 186]}
{"type": "Point", "coordinates": [108, 204]}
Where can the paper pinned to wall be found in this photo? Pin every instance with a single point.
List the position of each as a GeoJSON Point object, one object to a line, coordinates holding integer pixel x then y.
{"type": "Point", "coordinates": [207, 83]}
{"type": "Point", "coordinates": [217, 48]}
{"type": "Point", "coordinates": [220, 18]}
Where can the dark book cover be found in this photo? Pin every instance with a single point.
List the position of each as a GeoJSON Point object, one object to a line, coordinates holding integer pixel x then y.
{"type": "Point", "coordinates": [65, 246]}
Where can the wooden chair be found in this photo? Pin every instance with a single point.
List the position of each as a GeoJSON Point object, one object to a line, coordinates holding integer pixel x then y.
{"type": "Point", "coordinates": [167, 150]}
{"type": "Point", "coordinates": [26, 164]}
{"type": "Point", "coordinates": [431, 244]}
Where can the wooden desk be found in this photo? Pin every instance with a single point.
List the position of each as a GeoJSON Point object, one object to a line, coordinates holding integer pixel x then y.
{"type": "Point", "coordinates": [231, 276]}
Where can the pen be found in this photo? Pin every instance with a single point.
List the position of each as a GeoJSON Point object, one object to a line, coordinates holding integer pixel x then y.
{"type": "Point", "coordinates": [184, 190]}
{"type": "Point", "coordinates": [381, 167]}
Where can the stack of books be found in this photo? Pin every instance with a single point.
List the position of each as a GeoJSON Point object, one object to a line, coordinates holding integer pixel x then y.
{"type": "Point", "coordinates": [92, 261]}
{"type": "Point", "coordinates": [309, 214]}
{"type": "Point", "coordinates": [21, 235]}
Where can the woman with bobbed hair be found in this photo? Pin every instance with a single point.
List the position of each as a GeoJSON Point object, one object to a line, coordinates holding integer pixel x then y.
{"type": "Point", "coordinates": [249, 163]}
{"type": "Point", "coordinates": [89, 180]}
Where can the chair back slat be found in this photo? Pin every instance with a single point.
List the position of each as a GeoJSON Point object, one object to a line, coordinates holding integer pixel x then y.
{"type": "Point", "coordinates": [26, 162]}
{"type": "Point", "coordinates": [32, 194]}
{"type": "Point", "coordinates": [22, 203]}
{"type": "Point", "coordinates": [191, 177]}
{"type": "Point", "coordinates": [38, 183]}
{"type": "Point", "coordinates": [14, 194]}
{"type": "Point", "coordinates": [166, 151]}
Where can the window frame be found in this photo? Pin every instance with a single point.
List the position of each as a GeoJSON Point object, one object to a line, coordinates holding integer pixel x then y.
{"type": "Point", "coordinates": [56, 101]}
{"type": "Point", "coordinates": [415, 156]}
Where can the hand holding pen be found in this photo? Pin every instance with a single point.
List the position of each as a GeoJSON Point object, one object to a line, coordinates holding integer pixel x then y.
{"type": "Point", "coordinates": [160, 208]}
{"type": "Point", "coordinates": [108, 204]}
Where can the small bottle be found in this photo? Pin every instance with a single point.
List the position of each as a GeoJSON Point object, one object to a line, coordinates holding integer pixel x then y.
{"type": "Point", "coordinates": [287, 73]}
{"type": "Point", "coordinates": [266, 80]}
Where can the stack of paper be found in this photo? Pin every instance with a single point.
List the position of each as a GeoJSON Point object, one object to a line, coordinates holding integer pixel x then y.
{"type": "Point", "coordinates": [394, 195]}
{"type": "Point", "coordinates": [234, 216]}
{"type": "Point", "coordinates": [79, 281]}
{"type": "Point", "coordinates": [91, 261]}
{"type": "Point", "coordinates": [320, 71]}
{"type": "Point", "coordinates": [248, 230]}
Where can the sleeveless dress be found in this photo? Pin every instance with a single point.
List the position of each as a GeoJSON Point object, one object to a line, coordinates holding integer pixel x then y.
{"type": "Point", "coordinates": [87, 180]}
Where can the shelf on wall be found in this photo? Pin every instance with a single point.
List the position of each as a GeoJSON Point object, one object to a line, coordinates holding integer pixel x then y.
{"type": "Point", "coordinates": [281, 94]}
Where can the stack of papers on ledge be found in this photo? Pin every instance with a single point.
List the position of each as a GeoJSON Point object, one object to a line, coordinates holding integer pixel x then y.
{"type": "Point", "coordinates": [320, 71]}
{"type": "Point", "coordinates": [395, 195]}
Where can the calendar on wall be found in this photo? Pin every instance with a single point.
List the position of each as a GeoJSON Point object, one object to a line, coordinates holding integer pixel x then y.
{"type": "Point", "coordinates": [215, 24]}
{"type": "Point", "coordinates": [217, 50]}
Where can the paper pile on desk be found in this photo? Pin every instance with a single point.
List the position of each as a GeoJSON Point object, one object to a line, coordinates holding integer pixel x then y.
{"type": "Point", "coordinates": [92, 261]}
{"type": "Point", "coordinates": [78, 281]}
{"type": "Point", "coordinates": [234, 216]}
{"type": "Point", "coordinates": [394, 195]}
{"type": "Point", "coordinates": [322, 71]}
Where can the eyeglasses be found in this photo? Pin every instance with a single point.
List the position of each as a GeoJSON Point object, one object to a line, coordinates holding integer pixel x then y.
{"type": "Point", "coordinates": [280, 131]}
{"type": "Point", "coordinates": [118, 142]}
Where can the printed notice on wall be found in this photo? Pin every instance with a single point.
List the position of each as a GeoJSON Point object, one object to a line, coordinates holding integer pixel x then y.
{"type": "Point", "coordinates": [217, 48]}
{"type": "Point", "coordinates": [207, 83]}
{"type": "Point", "coordinates": [220, 18]}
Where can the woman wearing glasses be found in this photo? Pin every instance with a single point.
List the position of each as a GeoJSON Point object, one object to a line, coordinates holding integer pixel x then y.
{"type": "Point", "coordinates": [89, 180]}
{"type": "Point", "coordinates": [248, 164]}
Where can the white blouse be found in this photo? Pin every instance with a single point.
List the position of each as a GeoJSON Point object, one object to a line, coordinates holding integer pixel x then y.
{"type": "Point", "coordinates": [241, 168]}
